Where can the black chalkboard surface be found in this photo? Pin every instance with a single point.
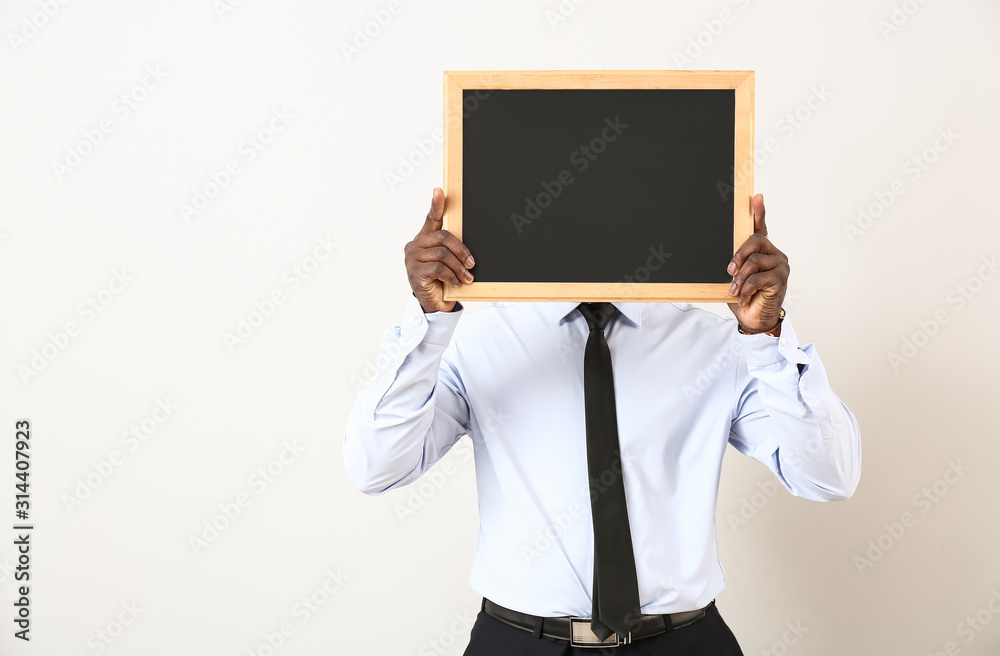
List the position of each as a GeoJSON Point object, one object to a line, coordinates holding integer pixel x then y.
{"type": "Point", "coordinates": [570, 193]}
{"type": "Point", "coordinates": [568, 185]}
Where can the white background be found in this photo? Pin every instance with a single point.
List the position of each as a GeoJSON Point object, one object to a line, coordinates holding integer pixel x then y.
{"type": "Point", "coordinates": [401, 580]}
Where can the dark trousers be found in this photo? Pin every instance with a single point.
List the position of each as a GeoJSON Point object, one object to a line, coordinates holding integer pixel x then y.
{"type": "Point", "coordinates": [709, 636]}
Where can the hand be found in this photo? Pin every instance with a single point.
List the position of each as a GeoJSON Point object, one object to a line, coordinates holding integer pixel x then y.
{"type": "Point", "coordinates": [436, 257]}
{"type": "Point", "coordinates": [760, 277]}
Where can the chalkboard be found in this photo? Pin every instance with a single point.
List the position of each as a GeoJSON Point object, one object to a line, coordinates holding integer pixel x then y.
{"type": "Point", "coordinates": [599, 185]}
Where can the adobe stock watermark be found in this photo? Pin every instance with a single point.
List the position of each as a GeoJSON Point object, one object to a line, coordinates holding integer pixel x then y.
{"type": "Point", "coordinates": [261, 480]}
{"type": "Point", "coordinates": [104, 637]}
{"type": "Point", "coordinates": [407, 337]}
{"type": "Point", "coordinates": [551, 532]}
{"type": "Point", "coordinates": [795, 119]}
{"type": "Point", "coordinates": [581, 159]}
{"type": "Point", "coordinates": [132, 439]}
{"type": "Point", "coordinates": [425, 147]}
{"type": "Point", "coordinates": [223, 8]}
{"type": "Point", "coordinates": [388, 354]}
{"type": "Point", "coordinates": [385, 357]}
{"type": "Point", "coordinates": [958, 296]}
{"type": "Point", "coordinates": [571, 348]}
{"type": "Point", "coordinates": [121, 108]}
{"type": "Point", "coordinates": [923, 501]}
{"type": "Point", "coordinates": [292, 279]}
{"type": "Point", "coordinates": [421, 491]}
{"type": "Point", "coordinates": [698, 44]}
{"type": "Point", "coordinates": [218, 180]}
{"type": "Point", "coordinates": [654, 262]}
{"type": "Point", "coordinates": [751, 504]}
{"type": "Point", "coordinates": [792, 635]}
{"type": "Point", "coordinates": [899, 16]}
{"type": "Point", "coordinates": [408, 163]}
{"type": "Point", "coordinates": [366, 33]}
{"type": "Point", "coordinates": [32, 24]}
{"type": "Point", "coordinates": [913, 168]}
{"type": "Point", "coordinates": [970, 627]}
{"type": "Point", "coordinates": [562, 12]}
{"type": "Point", "coordinates": [6, 570]}
{"type": "Point", "coordinates": [723, 362]}
{"type": "Point", "coordinates": [796, 457]}
{"type": "Point", "coordinates": [456, 634]}
{"type": "Point", "coordinates": [787, 126]}
{"type": "Point", "coordinates": [303, 610]}
{"type": "Point", "coordinates": [88, 310]}
{"type": "Point", "coordinates": [424, 489]}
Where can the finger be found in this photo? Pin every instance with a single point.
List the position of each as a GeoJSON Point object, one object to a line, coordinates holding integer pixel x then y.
{"type": "Point", "coordinates": [757, 282]}
{"type": "Point", "coordinates": [758, 214]}
{"type": "Point", "coordinates": [453, 243]}
{"type": "Point", "coordinates": [755, 263]}
{"type": "Point", "coordinates": [429, 273]}
{"type": "Point", "coordinates": [755, 243]}
{"type": "Point", "coordinates": [445, 256]}
{"type": "Point", "coordinates": [435, 214]}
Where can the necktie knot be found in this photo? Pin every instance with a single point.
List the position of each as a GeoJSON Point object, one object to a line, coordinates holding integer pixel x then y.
{"type": "Point", "coordinates": [598, 315]}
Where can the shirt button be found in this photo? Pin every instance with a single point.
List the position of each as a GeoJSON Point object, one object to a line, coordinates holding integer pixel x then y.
{"type": "Point", "coordinates": [784, 341]}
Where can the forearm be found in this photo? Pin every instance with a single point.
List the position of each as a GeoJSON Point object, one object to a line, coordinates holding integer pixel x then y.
{"type": "Point", "coordinates": [814, 440]}
{"type": "Point", "coordinates": [411, 412]}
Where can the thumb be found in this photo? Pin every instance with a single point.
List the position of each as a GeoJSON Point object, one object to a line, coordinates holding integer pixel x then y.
{"type": "Point", "coordinates": [436, 212]}
{"type": "Point", "coordinates": [758, 214]}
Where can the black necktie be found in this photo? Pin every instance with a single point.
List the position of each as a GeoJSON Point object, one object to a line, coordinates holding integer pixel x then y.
{"type": "Point", "coordinates": [616, 589]}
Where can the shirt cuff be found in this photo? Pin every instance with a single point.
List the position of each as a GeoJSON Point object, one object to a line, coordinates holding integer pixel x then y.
{"type": "Point", "coordinates": [761, 350]}
{"type": "Point", "coordinates": [430, 327]}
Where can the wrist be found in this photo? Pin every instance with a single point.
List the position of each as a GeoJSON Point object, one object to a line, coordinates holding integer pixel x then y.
{"type": "Point", "coordinates": [454, 307]}
{"type": "Point", "coordinates": [445, 307]}
{"type": "Point", "coordinates": [773, 332]}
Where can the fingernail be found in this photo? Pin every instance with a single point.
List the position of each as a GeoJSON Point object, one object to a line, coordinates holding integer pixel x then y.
{"type": "Point", "coordinates": [468, 276]}
{"type": "Point", "coordinates": [469, 262]}
{"type": "Point", "coordinates": [732, 268]}
{"type": "Point", "coordinates": [732, 289]}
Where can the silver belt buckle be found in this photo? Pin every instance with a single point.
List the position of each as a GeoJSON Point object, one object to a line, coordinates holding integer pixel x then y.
{"type": "Point", "coordinates": [582, 635]}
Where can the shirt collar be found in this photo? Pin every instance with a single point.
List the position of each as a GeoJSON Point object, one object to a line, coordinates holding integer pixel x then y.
{"type": "Point", "coordinates": [562, 311]}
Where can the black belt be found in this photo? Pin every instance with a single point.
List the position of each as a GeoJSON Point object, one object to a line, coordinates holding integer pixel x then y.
{"type": "Point", "coordinates": [577, 629]}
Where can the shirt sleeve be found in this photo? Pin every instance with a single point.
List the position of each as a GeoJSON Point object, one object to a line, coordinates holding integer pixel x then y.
{"type": "Point", "coordinates": [414, 409]}
{"type": "Point", "coordinates": [787, 417]}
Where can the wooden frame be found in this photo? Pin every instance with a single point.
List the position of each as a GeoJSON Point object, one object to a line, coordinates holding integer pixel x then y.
{"type": "Point", "coordinates": [456, 82]}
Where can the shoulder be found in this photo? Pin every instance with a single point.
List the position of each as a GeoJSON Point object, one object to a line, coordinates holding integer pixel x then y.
{"type": "Point", "coordinates": [516, 318]}
{"type": "Point", "coordinates": [478, 316]}
{"type": "Point", "coordinates": [474, 307]}
{"type": "Point", "coordinates": [477, 311]}
{"type": "Point", "coordinates": [704, 316]}
{"type": "Point", "coordinates": [707, 327]}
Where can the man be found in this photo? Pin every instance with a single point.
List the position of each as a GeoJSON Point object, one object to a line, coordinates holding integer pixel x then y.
{"type": "Point", "coordinates": [597, 491]}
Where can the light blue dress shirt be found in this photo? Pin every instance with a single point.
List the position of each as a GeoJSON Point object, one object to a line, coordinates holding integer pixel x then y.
{"type": "Point", "coordinates": [510, 376]}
